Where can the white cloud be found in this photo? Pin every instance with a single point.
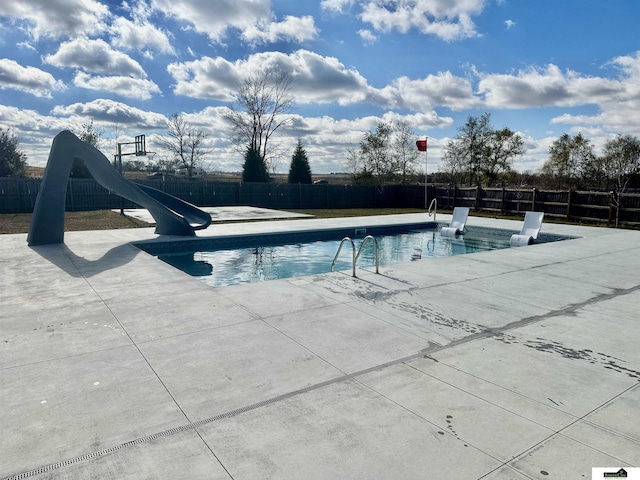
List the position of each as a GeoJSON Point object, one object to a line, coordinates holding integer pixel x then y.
{"type": "Point", "coordinates": [58, 18]}
{"type": "Point", "coordinates": [316, 79]}
{"type": "Point", "coordinates": [367, 36]}
{"type": "Point", "coordinates": [252, 18]}
{"type": "Point", "coordinates": [509, 24]}
{"type": "Point", "coordinates": [449, 20]}
{"type": "Point", "coordinates": [617, 99]}
{"type": "Point", "coordinates": [215, 18]}
{"type": "Point", "coordinates": [28, 123]}
{"type": "Point", "coordinates": [619, 117]}
{"type": "Point", "coordinates": [441, 90]}
{"type": "Point", "coordinates": [320, 79]}
{"type": "Point", "coordinates": [298, 29]}
{"type": "Point", "coordinates": [34, 131]}
{"type": "Point", "coordinates": [111, 112]}
{"type": "Point", "coordinates": [336, 5]}
{"type": "Point", "coordinates": [27, 79]}
{"type": "Point", "coordinates": [138, 88]}
{"type": "Point", "coordinates": [545, 87]}
{"type": "Point", "coordinates": [27, 46]}
{"type": "Point", "coordinates": [212, 78]}
{"type": "Point", "coordinates": [94, 56]}
{"type": "Point", "coordinates": [129, 35]}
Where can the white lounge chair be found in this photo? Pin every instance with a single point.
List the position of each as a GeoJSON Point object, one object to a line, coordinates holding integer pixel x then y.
{"type": "Point", "coordinates": [530, 229]}
{"type": "Point", "coordinates": [457, 224]}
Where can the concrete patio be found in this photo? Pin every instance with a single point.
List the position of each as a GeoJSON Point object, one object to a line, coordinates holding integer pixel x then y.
{"type": "Point", "coordinates": [514, 364]}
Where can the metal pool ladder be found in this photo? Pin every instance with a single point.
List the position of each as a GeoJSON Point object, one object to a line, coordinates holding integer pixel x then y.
{"type": "Point", "coordinates": [354, 255]}
{"type": "Point", "coordinates": [434, 204]}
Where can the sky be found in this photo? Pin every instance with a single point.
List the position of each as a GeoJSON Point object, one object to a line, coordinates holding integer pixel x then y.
{"type": "Point", "coordinates": [540, 67]}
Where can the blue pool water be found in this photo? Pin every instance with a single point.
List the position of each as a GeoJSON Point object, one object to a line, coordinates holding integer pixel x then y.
{"type": "Point", "coordinates": [226, 266]}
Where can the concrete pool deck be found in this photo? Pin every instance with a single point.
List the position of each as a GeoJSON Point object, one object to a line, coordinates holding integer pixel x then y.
{"type": "Point", "coordinates": [513, 364]}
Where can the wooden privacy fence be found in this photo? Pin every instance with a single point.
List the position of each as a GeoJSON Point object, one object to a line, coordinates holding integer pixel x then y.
{"type": "Point", "coordinates": [18, 195]}
{"type": "Point", "coordinates": [587, 206]}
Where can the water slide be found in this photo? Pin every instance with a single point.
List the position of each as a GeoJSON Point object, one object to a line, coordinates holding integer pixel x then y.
{"type": "Point", "coordinates": [172, 215]}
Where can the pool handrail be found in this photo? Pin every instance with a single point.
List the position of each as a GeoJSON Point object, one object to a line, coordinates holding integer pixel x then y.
{"type": "Point", "coordinates": [364, 240]}
{"type": "Point", "coordinates": [434, 204]}
{"type": "Point", "coordinates": [353, 255]}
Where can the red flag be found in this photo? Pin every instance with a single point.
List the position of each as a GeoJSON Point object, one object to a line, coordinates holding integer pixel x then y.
{"type": "Point", "coordinates": [422, 145]}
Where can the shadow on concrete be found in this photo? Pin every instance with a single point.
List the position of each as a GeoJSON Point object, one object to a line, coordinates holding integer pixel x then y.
{"type": "Point", "coordinates": [76, 266]}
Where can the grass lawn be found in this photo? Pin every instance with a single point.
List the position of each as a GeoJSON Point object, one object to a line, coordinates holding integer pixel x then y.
{"type": "Point", "coordinates": [108, 219]}
{"type": "Point", "coordinates": [95, 220]}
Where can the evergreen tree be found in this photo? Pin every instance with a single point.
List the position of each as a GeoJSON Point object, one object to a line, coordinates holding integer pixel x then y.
{"type": "Point", "coordinates": [254, 168]}
{"type": "Point", "coordinates": [299, 171]}
{"type": "Point", "coordinates": [12, 161]}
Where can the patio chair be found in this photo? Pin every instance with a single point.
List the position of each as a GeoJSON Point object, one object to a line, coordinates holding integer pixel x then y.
{"type": "Point", "coordinates": [457, 224]}
{"type": "Point", "coordinates": [530, 229]}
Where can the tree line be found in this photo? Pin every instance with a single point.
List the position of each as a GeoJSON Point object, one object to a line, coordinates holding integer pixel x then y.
{"type": "Point", "coordinates": [479, 154]}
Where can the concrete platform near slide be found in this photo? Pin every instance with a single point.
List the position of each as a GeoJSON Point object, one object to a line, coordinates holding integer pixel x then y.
{"type": "Point", "coordinates": [513, 364]}
{"type": "Point", "coordinates": [226, 214]}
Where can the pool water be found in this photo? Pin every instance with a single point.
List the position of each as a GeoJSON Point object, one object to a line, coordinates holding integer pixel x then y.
{"type": "Point", "coordinates": [257, 264]}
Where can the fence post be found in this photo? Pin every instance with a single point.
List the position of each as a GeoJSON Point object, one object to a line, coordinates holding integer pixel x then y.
{"type": "Point", "coordinates": [455, 193]}
{"type": "Point", "coordinates": [533, 199]}
{"type": "Point", "coordinates": [73, 206]}
{"type": "Point", "coordinates": [502, 200]}
{"type": "Point", "coordinates": [19, 189]}
{"type": "Point", "coordinates": [475, 207]}
{"type": "Point", "coordinates": [569, 204]}
{"type": "Point", "coordinates": [611, 202]}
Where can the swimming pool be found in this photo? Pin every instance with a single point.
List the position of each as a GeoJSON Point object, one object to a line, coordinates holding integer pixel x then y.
{"type": "Point", "coordinates": [249, 259]}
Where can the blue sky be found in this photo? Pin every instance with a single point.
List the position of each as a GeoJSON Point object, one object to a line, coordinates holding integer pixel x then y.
{"type": "Point", "coordinates": [541, 68]}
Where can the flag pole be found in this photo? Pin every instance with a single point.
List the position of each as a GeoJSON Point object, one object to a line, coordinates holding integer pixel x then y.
{"type": "Point", "coordinates": [426, 199]}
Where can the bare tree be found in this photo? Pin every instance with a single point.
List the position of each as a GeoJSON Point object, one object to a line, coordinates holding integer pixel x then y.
{"type": "Point", "coordinates": [87, 133]}
{"type": "Point", "coordinates": [262, 108]}
{"type": "Point", "coordinates": [404, 150]}
{"type": "Point", "coordinates": [569, 159]}
{"type": "Point", "coordinates": [481, 152]}
{"type": "Point", "coordinates": [184, 143]}
{"type": "Point", "coordinates": [353, 162]}
{"type": "Point", "coordinates": [454, 161]}
{"type": "Point", "coordinates": [504, 145]}
{"type": "Point", "coordinates": [473, 145]}
{"type": "Point", "coordinates": [387, 154]}
{"type": "Point", "coordinates": [91, 134]}
{"type": "Point", "coordinates": [621, 160]}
